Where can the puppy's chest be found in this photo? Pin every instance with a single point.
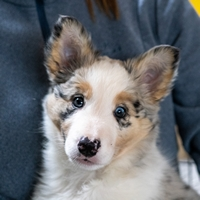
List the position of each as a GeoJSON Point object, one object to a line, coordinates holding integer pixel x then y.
{"type": "Point", "coordinates": [80, 186]}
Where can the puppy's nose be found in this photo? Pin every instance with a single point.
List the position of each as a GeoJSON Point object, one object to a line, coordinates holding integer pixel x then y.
{"type": "Point", "coordinates": [87, 147]}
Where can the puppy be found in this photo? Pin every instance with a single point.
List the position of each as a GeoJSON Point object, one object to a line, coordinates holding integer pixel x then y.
{"type": "Point", "coordinates": [101, 122]}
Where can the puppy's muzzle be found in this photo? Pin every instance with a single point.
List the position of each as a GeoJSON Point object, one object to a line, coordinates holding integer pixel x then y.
{"type": "Point", "coordinates": [87, 147]}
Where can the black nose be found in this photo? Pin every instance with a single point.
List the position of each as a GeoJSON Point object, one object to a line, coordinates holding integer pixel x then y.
{"type": "Point", "coordinates": [87, 147]}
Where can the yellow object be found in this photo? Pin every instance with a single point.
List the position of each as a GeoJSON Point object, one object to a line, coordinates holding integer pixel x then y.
{"type": "Point", "coordinates": [196, 5]}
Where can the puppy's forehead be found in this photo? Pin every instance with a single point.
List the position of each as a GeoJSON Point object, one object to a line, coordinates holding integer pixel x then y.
{"type": "Point", "coordinates": [107, 76]}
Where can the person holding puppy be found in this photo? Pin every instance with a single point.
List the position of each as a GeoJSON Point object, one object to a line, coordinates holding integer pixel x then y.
{"type": "Point", "coordinates": [126, 29]}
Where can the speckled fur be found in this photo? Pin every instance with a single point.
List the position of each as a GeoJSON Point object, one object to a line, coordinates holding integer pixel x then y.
{"type": "Point", "coordinates": [128, 165]}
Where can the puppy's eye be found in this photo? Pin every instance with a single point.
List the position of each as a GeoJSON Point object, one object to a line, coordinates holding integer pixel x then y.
{"type": "Point", "coordinates": [78, 102]}
{"type": "Point", "coordinates": [120, 112]}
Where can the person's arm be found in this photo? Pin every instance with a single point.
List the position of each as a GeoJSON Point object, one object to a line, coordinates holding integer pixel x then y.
{"type": "Point", "coordinates": [179, 25]}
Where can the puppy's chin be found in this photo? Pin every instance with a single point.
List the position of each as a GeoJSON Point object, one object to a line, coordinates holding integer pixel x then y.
{"type": "Point", "coordinates": [86, 164]}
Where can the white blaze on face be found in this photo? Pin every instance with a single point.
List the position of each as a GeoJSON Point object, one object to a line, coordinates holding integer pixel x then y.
{"type": "Point", "coordinates": [96, 120]}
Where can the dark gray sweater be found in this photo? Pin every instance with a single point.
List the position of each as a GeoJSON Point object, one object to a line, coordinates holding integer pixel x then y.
{"type": "Point", "coordinates": [23, 80]}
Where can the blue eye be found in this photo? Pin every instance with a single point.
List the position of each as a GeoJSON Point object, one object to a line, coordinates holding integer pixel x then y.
{"type": "Point", "coordinates": [78, 102]}
{"type": "Point", "coordinates": [120, 112]}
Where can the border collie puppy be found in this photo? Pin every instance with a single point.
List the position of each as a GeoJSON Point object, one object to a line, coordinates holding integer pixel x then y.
{"type": "Point", "coordinates": [101, 122]}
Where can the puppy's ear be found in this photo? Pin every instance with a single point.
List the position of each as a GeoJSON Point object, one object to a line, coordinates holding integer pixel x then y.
{"type": "Point", "coordinates": [154, 72]}
{"type": "Point", "coordinates": [68, 49]}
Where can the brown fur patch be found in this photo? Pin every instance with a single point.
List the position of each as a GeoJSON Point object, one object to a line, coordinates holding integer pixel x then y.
{"type": "Point", "coordinates": [123, 97]}
{"type": "Point", "coordinates": [130, 139]}
{"type": "Point", "coordinates": [85, 89]}
{"type": "Point", "coordinates": [162, 89]}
